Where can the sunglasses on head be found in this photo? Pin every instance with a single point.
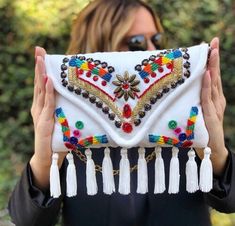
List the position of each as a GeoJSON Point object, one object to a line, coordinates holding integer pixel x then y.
{"type": "Point", "coordinates": [139, 42]}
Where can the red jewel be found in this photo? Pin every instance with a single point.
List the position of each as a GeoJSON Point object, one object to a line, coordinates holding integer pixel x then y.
{"type": "Point", "coordinates": [160, 69]}
{"type": "Point", "coordinates": [146, 80]}
{"type": "Point", "coordinates": [95, 78]}
{"type": "Point", "coordinates": [187, 143]}
{"type": "Point", "coordinates": [80, 72]}
{"type": "Point", "coordinates": [177, 130]}
{"type": "Point", "coordinates": [153, 74]}
{"type": "Point", "coordinates": [169, 65]}
{"type": "Point", "coordinates": [76, 133]}
{"type": "Point", "coordinates": [88, 74]}
{"type": "Point", "coordinates": [125, 86]}
{"type": "Point", "coordinates": [69, 146]}
{"type": "Point", "coordinates": [127, 111]}
{"type": "Point", "coordinates": [104, 83]}
{"type": "Point", "coordinates": [127, 127]}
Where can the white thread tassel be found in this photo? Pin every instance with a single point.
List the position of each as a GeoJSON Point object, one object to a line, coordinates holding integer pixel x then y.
{"type": "Point", "coordinates": [142, 173]}
{"type": "Point", "coordinates": [71, 177]}
{"type": "Point", "coordinates": [174, 177]}
{"type": "Point", "coordinates": [159, 186]}
{"type": "Point", "coordinates": [55, 188]}
{"type": "Point", "coordinates": [124, 177]}
{"type": "Point", "coordinates": [206, 172]}
{"type": "Point", "coordinates": [107, 173]}
{"type": "Point", "coordinates": [91, 182]}
{"type": "Point", "coordinates": [191, 173]}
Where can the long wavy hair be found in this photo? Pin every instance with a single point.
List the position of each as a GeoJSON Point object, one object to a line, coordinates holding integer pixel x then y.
{"type": "Point", "coordinates": [102, 25]}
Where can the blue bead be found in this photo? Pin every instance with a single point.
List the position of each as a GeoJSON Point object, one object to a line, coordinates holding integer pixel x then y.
{"type": "Point", "coordinates": [72, 62]}
{"type": "Point", "coordinates": [65, 138]}
{"type": "Point", "coordinates": [182, 137]}
{"type": "Point", "coordinates": [107, 77]}
{"type": "Point", "coordinates": [58, 111]}
{"type": "Point", "coordinates": [195, 110]}
{"type": "Point", "coordinates": [73, 140]}
{"type": "Point", "coordinates": [191, 137]}
{"type": "Point", "coordinates": [177, 54]}
{"type": "Point", "coordinates": [143, 74]}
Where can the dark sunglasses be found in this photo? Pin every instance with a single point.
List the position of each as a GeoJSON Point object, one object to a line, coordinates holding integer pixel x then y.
{"type": "Point", "coordinates": [139, 42]}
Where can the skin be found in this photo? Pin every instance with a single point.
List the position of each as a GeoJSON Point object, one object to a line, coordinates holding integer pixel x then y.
{"type": "Point", "coordinates": [212, 100]}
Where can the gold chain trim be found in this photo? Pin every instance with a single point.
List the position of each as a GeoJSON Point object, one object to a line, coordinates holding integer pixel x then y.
{"type": "Point", "coordinates": [98, 168]}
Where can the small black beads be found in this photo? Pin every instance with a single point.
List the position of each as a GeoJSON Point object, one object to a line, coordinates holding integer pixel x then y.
{"type": "Point", "coordinates": [92, 99]}
{"type": "Point", "coordinates": [186, 65]}
{"type": "Point", "coordinates": [65, 60]}
{"type": "Point", "coordinates": [186, 56]}
{"type": "Point", "coordinates": [159, 95]}
{"type": "Point", "coordinates": [85, 94]}
{"type": "Point", "coordinates": [173, 85]}
{"type": "Point", "coordinates": [64, 67]}
{"type": "Point", "coordinates": [181, 81]}
{"type": "Point", "coordinates": [81, 58]}
{"type": "Point", "coordinates": [166, 90]}
{"type": "Point", "coordinates": [152, 58]}
{"type": "Point", "coordinates": [64, 83]}
{"type": "Point", "coordinates": [118, 124]}
{"type": "Point", "coordinates": [111, 69]}
{"type": "Point", "coordinates": [187, 74]}
{"type": "Point", "coordinates": [99, 104]}
{"type": "Point", "coordinates": [137, 122]}
{"type": "Point", "coordinates": [63, 74]}
{"type": "Point", "coordinates": [147, 107]}
{"type": "Point", "coordinates": [89, 60]}
{"type": "Point", "coordinates": [105, 109]}
{"type": "Point", "coordinates": [111, 116]}
{"type": "Point", "coordinates": [78, 91]}
{"type": "Point", "coordinates": [104, 64]}
{"type": "Point", "coordinates": [141, 114]}
{"type": "Point", "coordinates": [97, 62]}
{"type": "Point", "coordinates": [70, 88]}
{"type": "Point", "coordinates": [145, 62]}
{"type": "Point", "coordinates": [138, 67]}
{"type": "Point", "coordinates": [153, 100]}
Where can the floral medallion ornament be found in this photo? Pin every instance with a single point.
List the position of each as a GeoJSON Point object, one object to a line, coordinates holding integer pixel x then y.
{"type": "Point", "coordinates": [126, 86]}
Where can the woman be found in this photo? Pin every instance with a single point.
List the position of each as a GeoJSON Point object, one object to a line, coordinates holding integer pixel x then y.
{"type": "Point", "coordinates": [110, 26]}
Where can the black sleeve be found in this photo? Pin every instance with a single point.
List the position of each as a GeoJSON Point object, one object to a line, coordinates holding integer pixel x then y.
{"type": "Point", "coordinates": [29, 206]}
{"type": "Point", "coordinates": [222, 196]}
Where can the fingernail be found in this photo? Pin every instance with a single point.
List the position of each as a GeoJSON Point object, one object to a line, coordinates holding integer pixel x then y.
{"type": "Point", "coordinates": [45, 79]}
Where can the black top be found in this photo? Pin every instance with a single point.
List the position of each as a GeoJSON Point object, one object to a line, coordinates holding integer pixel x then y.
{"type": "Point", "coordinates": [28, 206]}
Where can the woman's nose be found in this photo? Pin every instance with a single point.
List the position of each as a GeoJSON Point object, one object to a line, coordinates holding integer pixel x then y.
{"type": "Point", "coordinates": [150, 45]}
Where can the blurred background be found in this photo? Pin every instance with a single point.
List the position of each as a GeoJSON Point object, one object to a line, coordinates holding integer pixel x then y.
{"type": "Point", "coordinates": [27, 23]}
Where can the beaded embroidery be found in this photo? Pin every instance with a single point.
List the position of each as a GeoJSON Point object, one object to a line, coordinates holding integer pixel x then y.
{"type": "Point", "coordinates": [72, 142]}
{"type": "Point", "coordinates": [163, 72]}
{"type": "Point", "coordinates": [183, 139]}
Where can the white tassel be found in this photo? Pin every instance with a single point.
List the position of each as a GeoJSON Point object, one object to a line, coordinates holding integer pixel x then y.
{"type": "Point", "coordinates": [124, 177]}
{"type": "Point", "coordinates": [91, 183]}
{"type": "Point", "coordinates": [206, 172]}
{"type": "Point", "coordinates": [71, 177]}
{"type": "Point", "coordinates": [142, 176]}
{"type": "Point", "coordinates": [55, 177]}
{"type": "Point", "coordinates": [159, 186]}
{"type": "Point", "coordinates": [174, 177]}
{"type": "Point", "coordinates": [107, 173]}
{"type": "Point", "coordinates": [191, 173]}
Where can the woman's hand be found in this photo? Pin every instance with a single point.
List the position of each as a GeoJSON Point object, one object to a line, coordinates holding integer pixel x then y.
{"type": "Point", "coordinates": [213, 106]}
{"type": "Point", "coordinates": [43, 118]}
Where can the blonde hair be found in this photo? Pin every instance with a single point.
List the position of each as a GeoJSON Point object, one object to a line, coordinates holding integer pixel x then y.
{"type": "Point", "coordinates": [102, 25]}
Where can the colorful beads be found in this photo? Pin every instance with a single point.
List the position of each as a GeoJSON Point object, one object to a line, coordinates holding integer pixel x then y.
{"type": "Point", "coordinates": [183, 139]}
{"type": "Point", "coordinates": [79, 125]}
{"type": "Point", "coordinates": [127, 127]}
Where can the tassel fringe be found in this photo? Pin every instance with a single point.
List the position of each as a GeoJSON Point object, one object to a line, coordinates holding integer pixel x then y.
{"type": "Point", "coordinates": [159, 186]}
{"type": "Point", "coordinates": [91, 183]}
{"type": "Point", "coordinates": [142, 173]}
{"type": "Point", "coordinates": [124, 177]}
{"type": "Point", "coordinates": [191, 173]}
{"type": "Point", "coordinates": [174, 177]}
{"type": "Point", "coordinates": [55, 188]}
{"type": "Point", "coordinates": [107, 173]}
{"type": "Point", "coordinates": [71, 177]}
{"type": "Point", "coordinates": [206, 172]}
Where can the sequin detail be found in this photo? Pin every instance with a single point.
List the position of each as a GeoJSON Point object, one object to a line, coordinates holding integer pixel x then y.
{"type": "Point", "coordinates": [184, 139]}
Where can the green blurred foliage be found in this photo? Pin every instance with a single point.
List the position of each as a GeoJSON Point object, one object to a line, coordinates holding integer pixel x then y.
{"type": "Point", "coordinates": [27, 23]}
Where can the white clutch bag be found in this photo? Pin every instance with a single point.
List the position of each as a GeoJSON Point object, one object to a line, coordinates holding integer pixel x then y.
{"type": "Point", "coordinates": [144, 99]}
